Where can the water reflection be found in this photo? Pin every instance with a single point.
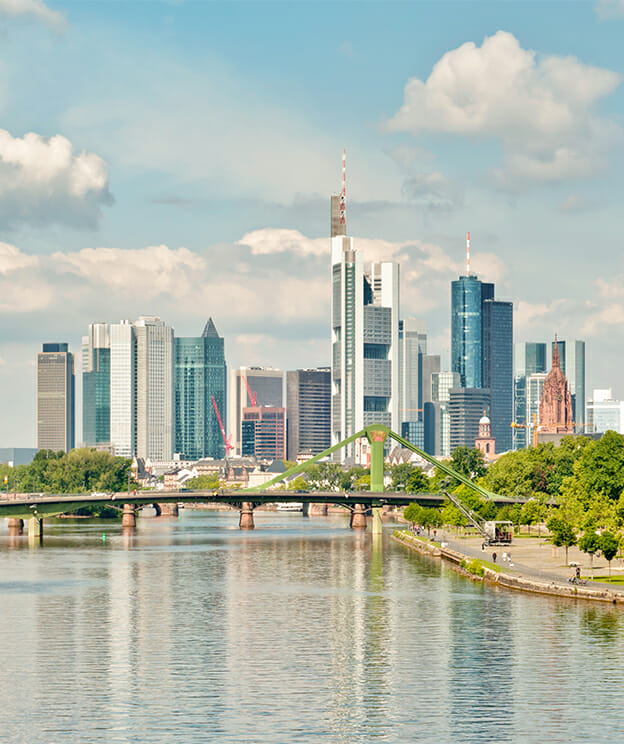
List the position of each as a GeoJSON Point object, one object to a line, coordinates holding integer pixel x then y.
{"type": "Point", "coordinates": [191, 631]}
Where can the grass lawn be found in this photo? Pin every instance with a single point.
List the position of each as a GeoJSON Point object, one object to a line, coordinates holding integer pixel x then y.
{"type": "Point", "coordinates": [606, 580]}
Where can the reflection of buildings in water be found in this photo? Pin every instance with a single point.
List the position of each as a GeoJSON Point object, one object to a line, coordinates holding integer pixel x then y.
{"type": "Point", "coordinates": [481, 666]}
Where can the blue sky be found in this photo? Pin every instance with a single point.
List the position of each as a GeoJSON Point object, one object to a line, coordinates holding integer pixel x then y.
{"type": "Point", "coordinates": [176, 158]}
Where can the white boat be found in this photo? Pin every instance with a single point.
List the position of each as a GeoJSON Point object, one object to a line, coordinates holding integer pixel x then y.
{"type": "Point", "coordinates": [290, 506]}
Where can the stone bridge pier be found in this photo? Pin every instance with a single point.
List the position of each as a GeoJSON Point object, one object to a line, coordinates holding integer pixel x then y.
{"type": "Point", "coordinates": [128, 517]}
{"type": "Point", "coordinates": [358, 517]}
{"type": "Point", "coordinates": [16, 526]}
{"type": "Point", "coordinates": [246, 520]}
{"type": "Point", "coordinates": [167, 510]}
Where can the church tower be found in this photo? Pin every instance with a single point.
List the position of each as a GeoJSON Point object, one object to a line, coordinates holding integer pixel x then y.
{"type": "Point", "coordinates": [555, 411]}
{"type": "Point", "coordinates": [485, 441]}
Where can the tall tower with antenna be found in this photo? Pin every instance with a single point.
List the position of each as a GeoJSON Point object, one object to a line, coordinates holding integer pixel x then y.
{"type": "Point", "coordinates": [339, 204]}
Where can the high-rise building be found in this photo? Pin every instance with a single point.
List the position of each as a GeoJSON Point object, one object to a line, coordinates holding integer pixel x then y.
{"type": "Point", "coordinates": [200, 376]}
{"type": "Point", "coordinates": [482, 347]}
{"type": "Point", "coordinates": [154, 389]}
{"type": "Point", "coordinates": [249, 387]}
{"type": "Point", "coordinates": [497, 323]}
{"type": "Point", "coordinates": [604, 413]}
{"type": "Point", "coordinates": [529, 358]}
{"type": "Point", "coordinates": [412, 348]}
{"type": "Point", "coordinates": [466, 407]}
{"type": "Point", "coordinates": [123, 384]}
{"type": "Point", "coordinates": [96, 386]}
{"type": "Point", "coordinates": [572, 356]}
{"type": "Point", "coordinates": [442, 384]}
{"type": "Point", "coordinates": [364, 337]}
{"type": "Point", "coordinates": [55, 398]}
{"type": "Point", "coordinates": [264, 433]}
{"type": "Point", "coordinates": [430, 366]}
{"type": "Point", "coordinates": [534, 387]}
{"type": "Point", "coordinates": [308, 410]}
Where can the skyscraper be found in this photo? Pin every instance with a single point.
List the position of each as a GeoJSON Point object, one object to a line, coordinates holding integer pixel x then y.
{"type": "Point", "coordinates": [55, 398]}
{"type": "Point", "coordinates": [572, 355]}
{"type": "Point", "coordinates": [96, 385]}
{"type": "Point", "coordinates": [529, 358]}
{"type": "Point", "coordinates": [123, 384]}
{"type": "Point", "coordinates": [308, 409]}
{"type": "Point", "coordinates": [200, 375]}
{"type": "Point", "coordinates": [154, 389]}
{"type": "Point", "coordinates": [466, 407]}
{"type": "Point", "coordinates": [264, 432]}
{"type": "Point", "coordinates": [482, 347]}
{"type": "Point", "coordinates": [364, 337]}
{"type": "Point", "coordinates": [412, 348]}
{"type": "Point", "coordinates": [249, 387]}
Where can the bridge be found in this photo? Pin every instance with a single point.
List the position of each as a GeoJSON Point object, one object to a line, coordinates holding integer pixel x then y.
{"type": "Point", "coordinates": [37, 506]}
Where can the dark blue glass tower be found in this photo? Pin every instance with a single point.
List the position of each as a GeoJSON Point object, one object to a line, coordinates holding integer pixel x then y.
{"type": "Point", "coordinates": [200, 373]}
{"type": "Point", "coordinates": [468, 295]}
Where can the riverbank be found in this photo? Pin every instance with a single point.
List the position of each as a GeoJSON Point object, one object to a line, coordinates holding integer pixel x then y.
{"type": "Point", "coordinates": [476, 564]}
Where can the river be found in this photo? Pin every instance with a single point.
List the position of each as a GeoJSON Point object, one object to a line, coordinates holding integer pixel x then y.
{"type": "Point", "coordinates": [301, 631]}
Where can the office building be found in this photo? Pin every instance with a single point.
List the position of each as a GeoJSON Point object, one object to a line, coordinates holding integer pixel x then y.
{"type": "Point", "coordinates": [364, 338]}
{"type": "Point", "coordinates": [572, 360]}
{"type": "Point", "coordinates": [264, 433]}
{"type": "Point", "coordinates": [250, 387]}
{"type": "Point", "coordinates": [604, 413]}
{"type": "Point", "coordinates": [529, 358]}
{"type": "Point", "coordinates": [482, 347]}
{"type": "Point", "coordinates": [466, 408]}
{"type": "Point", "coordinates": [123, 382]}
{"type": "Point", "coordinates": [534, 387]}
{"type": "Point", "coordinates": [154, 389]}
{"type": "Point", "coordinates": [308, 411]}
{"type": "Point", "coordinates": [96, 386]}
{"type": "Point", "coordinates": [412, 348]}
{"type": "Point", "coordinates": [200, 376]}
{"type": "Point", "coordinates": [55, 398]}
{"type": "Point", "coordinates": [14, 456]}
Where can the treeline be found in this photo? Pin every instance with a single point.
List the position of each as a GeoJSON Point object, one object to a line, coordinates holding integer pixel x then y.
{"type": "Point", "coordinates": [78, 471]}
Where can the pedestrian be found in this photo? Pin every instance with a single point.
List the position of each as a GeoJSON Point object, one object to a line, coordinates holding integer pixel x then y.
{"type": "Point", "coordinates": [578, 572]}
{"type": "Point", "coordinates": [493, 557]}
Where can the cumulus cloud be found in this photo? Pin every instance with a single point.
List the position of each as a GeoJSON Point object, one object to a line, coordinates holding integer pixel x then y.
{"type": "Point", "coordinates": [36, 9]}
{"type": "Point", "coordinates": [42, 181]}
{"type": "Point", "coordinates": [610, 9]}
{"type": "Point", "coordinates": [432, 191]}
{"type": "Point", "coordinates": [541, 109]}
{"type": "Point", "coordinates": [12, 259]}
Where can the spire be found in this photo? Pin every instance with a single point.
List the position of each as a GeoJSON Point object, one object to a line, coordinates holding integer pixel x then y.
{"type": "Point", "coordinates": [556, 361]}
{"type": "Point", "coordinates": [343, 193]}
{"type": "Point", "coordinates": [210, 330]}
{"type": "Point", "coordinates": [467, 254]}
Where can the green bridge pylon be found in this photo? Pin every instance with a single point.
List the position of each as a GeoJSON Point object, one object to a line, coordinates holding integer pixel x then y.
{"type": "Point", "coordinates": [376, 435]}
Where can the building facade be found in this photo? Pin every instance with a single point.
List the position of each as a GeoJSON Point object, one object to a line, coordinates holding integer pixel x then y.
{"type": "Point", "coordinates": [555, 414]}
{"type": "Point", "coordinates": [200, 377]}
{"type": "Point", "coordinates": [250, 387]}
{"type": "Point", "coordinates": [572, 360]}
{"type": "Point", "coordinates": [604, 413]}
{"type": "Point", "coordinates": [466, 407]}
{"type": "Point", "coordinates": [264, 433]}
{"type": "Point", "coordinates": [55, 398]}
{"type": "Point", "coordinates": [308, 410]}
{"type": "Point", "coordinates": [96, 414]}
{"type": "Point", "coordinates": [123, 382]}
{"type": "Point", "coordinates": [497, 375]}
{"type": "Point", "coordinates": [529, 359]}
{"type": "Point", "coordinates": [412, 348]}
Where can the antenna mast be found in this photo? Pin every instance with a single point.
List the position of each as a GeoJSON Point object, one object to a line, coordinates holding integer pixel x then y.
{"type": "Point", "coordinates": [467, 254]}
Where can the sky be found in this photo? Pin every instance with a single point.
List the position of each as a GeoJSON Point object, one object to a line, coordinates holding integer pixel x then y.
{"type": "Point", "coordinates": [176, 159]}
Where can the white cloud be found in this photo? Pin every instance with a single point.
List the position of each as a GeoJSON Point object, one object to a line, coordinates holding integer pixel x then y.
{"type": "Point", "coordinates": [42, 182]}
{"type": "Point", "coordinates": [576, 203]}
{"type": "Point", "coordinates": [36, 9]}
{"type": "Point", "coordinates": [432, 191]}
{"type": "Point", "coordinates": [540, 108]}
{"type": "Point", "coordinates": [155, 270]}
{"type": "Point", "coordinates": [12, 259]}
{"type": "Point", "coordinates": [610, 9]}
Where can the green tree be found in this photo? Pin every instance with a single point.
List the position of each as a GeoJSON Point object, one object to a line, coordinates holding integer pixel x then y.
{"type": "Point", "coordinates": [431, 519]}
{"type": "Point", "coordinates": [409, 478]}
{"type": "Point", "coordinates": [531, 513]}
{"type": "Point", "coordinates": [562, 533]}
{"type": "Point", "coordinates": [209, 482]}
{"type": "Point", "coordinates": [452, 516]}
{"type": "Point", "coordinates": [609, 545]}
{"type": "Point", "coordinates": [468, 461]}
{"type": "Point", "coordinates": [413, 513]}
{"type": "Point", "coordinates": [590, 544]}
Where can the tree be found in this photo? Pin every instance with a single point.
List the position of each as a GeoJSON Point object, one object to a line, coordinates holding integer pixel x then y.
{"type": "Point", "coordinates": [413, 513]}
{"type": "Point", "coordinates": [532, 511]}
{"type": "Point", "coordinates": [409, 478]}
{"type": "Point", "coordinates": [590, 544]}
{"type": "Point", "coordinates": [562, 533]}
{"type": "Point", "coordinates": [452, 516]}
{"type": "Point", "coordinates": [204, 482]}
{"type": "Point", "coordinates": [431, 519]}
{"type": "Point", "coordinates": [609, 545]}
{"type": "Point", "coordinates": [468, 461]}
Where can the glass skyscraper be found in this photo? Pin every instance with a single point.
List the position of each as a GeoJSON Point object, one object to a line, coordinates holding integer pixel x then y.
{"type": "Point", "coordinates": [482, 350]}
{"type": "Point", "coordinates": [572, 355]}
{"type": "Point", "coordinates": [200, 374]}
{"type": "Point", "coordinates": [96, 385]}
{"type": "Point", "coordinates": [55, 398]}
{"type": "Point", "coordinates": [529, 359]}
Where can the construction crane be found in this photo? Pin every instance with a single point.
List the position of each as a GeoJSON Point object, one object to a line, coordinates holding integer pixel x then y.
{"type": "Point", "coordinates": [532, 426]}
{"type": "Point", "coordinates": [492, 532]}
{"type": "Point", "coordinates": [250, 393]}
{"type": "Point", "coordinates": [227, 441]}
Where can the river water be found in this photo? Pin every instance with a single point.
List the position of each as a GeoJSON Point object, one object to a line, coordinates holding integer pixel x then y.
{"type": "Point", "coordinates": [301, 631]}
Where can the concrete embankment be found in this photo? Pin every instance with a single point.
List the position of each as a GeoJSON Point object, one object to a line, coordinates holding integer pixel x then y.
{"type": "Point", "coordinates": [504, 577]}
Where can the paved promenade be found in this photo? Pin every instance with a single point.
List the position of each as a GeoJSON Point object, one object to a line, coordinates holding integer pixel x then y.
{"type": "Point", "coordinates": [535, 558]}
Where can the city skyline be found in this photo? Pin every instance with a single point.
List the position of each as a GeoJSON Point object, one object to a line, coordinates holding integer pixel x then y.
{"type": "Point", "coordinates": [113, 224]}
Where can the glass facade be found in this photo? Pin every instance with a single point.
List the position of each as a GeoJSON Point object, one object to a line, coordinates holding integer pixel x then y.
{"type": "Point", "coordinates": [572, 356]}
{"type": "Point", "coordinates": [200, 374]}
{"type": "Point", "coordinates": [467, 294]}
{"type": "Point", "coordinates": [497, 375]}
{"type": "Point", "coordinates": [529, 358]}
{"type": "Point", "coordinates": [96, 399]}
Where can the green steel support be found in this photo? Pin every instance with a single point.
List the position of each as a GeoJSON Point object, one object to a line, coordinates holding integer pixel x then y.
{"type": "Point", "coordinates": [377, 523]}
{"type": "Point", "coordinates": [376, 438]}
